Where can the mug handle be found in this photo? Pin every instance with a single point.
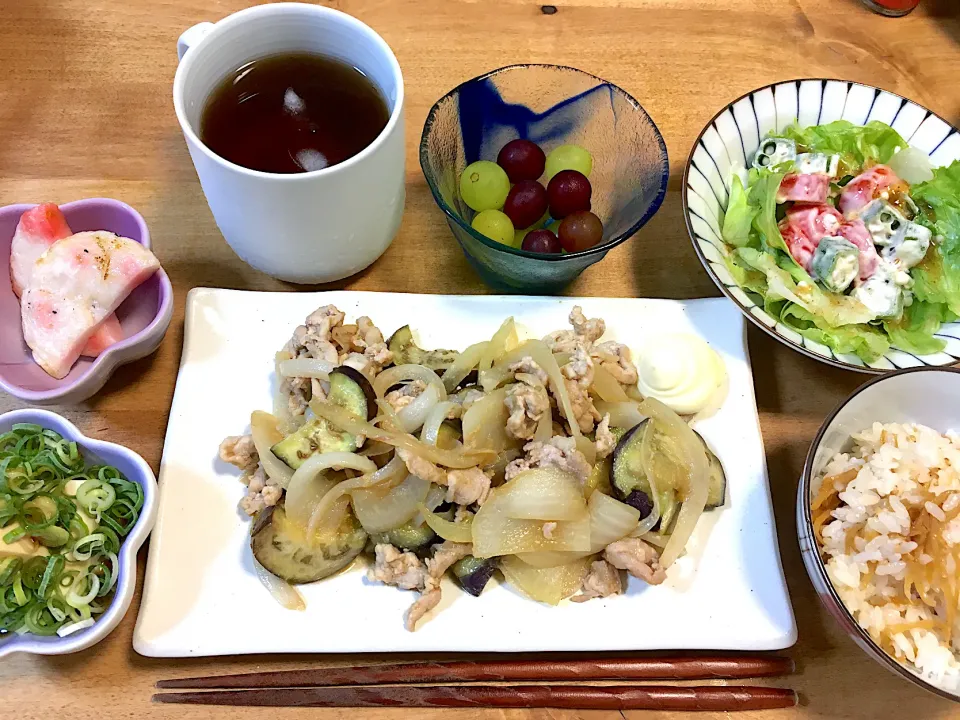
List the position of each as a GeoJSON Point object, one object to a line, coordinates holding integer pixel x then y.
{"type": "Point", "coordinates": [191, 36]}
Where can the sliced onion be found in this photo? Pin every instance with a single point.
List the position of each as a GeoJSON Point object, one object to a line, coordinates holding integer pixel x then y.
{"type": "Point", "coordinates": [465, 362]}
{"type": "Point", "coordinates": [551, 558]}
{"type": "Point", "coordinates": [379, 511]}
{"type": "Point", "coordinates": [545, 426]}
{"type": "Point", "coordinates": [266, 434]}
{"type": "Point", "coordinates": [375, 449]}
{"type": "Point", "coordinates": [305, 368]}
{"type": "Point", "coordinates": [912, 165]}
{"type": "Point", "coordinates": [435, 498]}
{"type": "Point", "coordinates": [548, 585]}
{"type": "Point", "coordinates": [344, 420]}
{"type": "Point", "coordinates": [431, 426]}
{"type": "Point", "coordinates": [607, 386]}
{"type": "Point", "coordinates": [622, 414]}
{"type": "Point", "coordinates": [282, 591]}
{"type": "Point", "coordinates": [387, 418]}
{"type": "Point", "coordinates": [497, 347]}
{"type": "Point", "coordinates": [485, 423]}
{"type": "Point", "coordinates": [287, 422]}
{"type": "Point", "coordinates": [461, 532]}
{"type": "Point", "coordinates": [544, 494]}
{"type": "Point", "coordinates": [407, 373]}
{"type": "Point", "coordinates": [308, 484]}
{"type": "Point", "coordinates": [610, 520]}
{"type": "Point", "coordinates": [412, 416]}
{"type": "Point", "coordinates": [654, 538]}
{"type": "Point", "coordinates": [332, 508]}
{"type": "Point", "coordinates": [695, 459]}
{"type": "Point", "coordinates": [495, 533]}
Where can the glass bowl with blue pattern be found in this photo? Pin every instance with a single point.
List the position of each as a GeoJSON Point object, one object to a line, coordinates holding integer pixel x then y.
{"type": "Point", "coordinates": [551, 105]}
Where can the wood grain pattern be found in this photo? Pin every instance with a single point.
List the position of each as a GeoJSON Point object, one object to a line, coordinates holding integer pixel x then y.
{"type": "Point", "coordinates": [705, 667]}
{"type": "Point", "coordinates": [86, 110]}
{"type": "Point", "coordinates": [705, 698]}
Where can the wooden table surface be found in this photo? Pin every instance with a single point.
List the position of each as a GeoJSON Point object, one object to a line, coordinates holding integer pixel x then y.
{"type": "Point", "coordinates": [86, 110]}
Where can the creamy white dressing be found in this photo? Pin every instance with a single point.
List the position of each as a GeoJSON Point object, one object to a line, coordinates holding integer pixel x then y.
{"type": "Point", "coordinates": [881, 293]}
{"type": "Point", "coordinates": [681, 371]}
{"type": "Point", "coordinates": [844, 270]}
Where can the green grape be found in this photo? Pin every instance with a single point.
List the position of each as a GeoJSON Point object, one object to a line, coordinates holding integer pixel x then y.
{"type": "Point", "coordinates": [569, 157]}
{"type": "Point", "coordinates": [495, 225]}
{"type": "Point", "coordinates": [554, 226]}
{"type": "Point", "coordinates": [484, 185]}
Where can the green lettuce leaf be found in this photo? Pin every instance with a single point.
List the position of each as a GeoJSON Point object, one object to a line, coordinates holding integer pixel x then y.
{"type": "Point", "coordinates": [739, 216]}
{"type": "Point", "coordinates": [865, 341]}
{"type": "Point", "coordinates": [875, 141]}
{"type": "Point", "coordinates": [914, 330]}
{"type": "Point", "coordinates": [830, 310]}
{"type": "Point", "coordinates": [763, 195]}
{"type": "Point", "coordinates": [937, 278]}
{"type": "Point", "coordinates": [744, 275]}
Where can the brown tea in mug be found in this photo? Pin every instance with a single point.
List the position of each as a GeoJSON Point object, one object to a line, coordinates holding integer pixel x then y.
{"type": "Point", "coordinates": [293, 113]}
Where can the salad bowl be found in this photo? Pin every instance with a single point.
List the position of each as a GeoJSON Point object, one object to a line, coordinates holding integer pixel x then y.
{"type": "Point", "coordinates": [727, 145]}
{"type": "Point", "coordinates": [135, 469]}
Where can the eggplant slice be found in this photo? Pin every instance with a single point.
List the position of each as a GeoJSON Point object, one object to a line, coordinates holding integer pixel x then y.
{"type": "Point", "coordinates": [282, 548]}
{"type": "Point", "coordinates": [350, 390]}
{"type": "Point", "coordinates": [406, 352]}
{"type": "Point", "coordinates": [717, 494]}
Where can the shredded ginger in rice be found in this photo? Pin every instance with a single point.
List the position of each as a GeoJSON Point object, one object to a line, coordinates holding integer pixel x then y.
{"type": "Point", "coordinates": [887, 518]}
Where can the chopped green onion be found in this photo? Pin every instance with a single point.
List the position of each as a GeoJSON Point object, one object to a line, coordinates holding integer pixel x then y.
{"type": "Point", "coordinates": [11, 537]}
{"type": "Point", "coordinates": [68, 582]}
{"type": "Point", "coordinates": [55, 565]}
{"type": "Point", "coordinates": [96, 496]}
{"type": "Point", "coordinates": [9, 566]}
{"type": "Point", "coordinates": [91, 586]}
{"type": "Point", "coordinates": [32, 573]}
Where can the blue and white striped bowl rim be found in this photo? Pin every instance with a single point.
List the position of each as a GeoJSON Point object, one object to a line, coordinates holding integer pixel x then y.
{"type": "Point", "coordinates": [733, 136]}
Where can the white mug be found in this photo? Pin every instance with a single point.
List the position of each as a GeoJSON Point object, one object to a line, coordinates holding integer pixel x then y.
{"type": "Point", "coordinates": [310, 227]}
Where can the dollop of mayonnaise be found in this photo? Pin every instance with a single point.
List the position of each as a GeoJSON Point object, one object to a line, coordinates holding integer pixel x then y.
{"type": "Point", "coordinates": [681, 371]}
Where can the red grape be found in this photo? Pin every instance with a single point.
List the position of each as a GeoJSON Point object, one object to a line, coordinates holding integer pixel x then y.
{"type": "Point", "coordinates": [569, 191]}
{"type": "Point", "coordinates": [580, 231]}
{"type": "Point", "coordinates": [522, 160]}
{"type": "Point", "coordinates": [526, 203]}
{"type": "Point", "coordinates": [541, 241]}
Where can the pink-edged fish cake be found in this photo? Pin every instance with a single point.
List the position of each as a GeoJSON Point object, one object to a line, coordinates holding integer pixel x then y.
{"type": "Point", "coordinates": [76, 285]}
{"type": "Point", "coordinates": [38, 229]}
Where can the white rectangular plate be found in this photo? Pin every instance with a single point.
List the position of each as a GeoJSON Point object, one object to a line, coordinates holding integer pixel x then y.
{"type": "Point", "coordinates": [202, 597]}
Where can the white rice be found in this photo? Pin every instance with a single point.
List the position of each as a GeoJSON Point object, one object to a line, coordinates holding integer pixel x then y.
{"type": "Point", "coordinates": [906, 476]}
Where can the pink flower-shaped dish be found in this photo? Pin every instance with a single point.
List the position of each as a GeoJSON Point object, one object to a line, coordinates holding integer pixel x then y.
{"type": "Point", "coordinates": [144, 315]}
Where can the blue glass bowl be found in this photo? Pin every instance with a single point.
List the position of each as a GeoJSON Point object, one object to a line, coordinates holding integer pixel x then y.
{"type": "Point", "coordinates": [550, 105]}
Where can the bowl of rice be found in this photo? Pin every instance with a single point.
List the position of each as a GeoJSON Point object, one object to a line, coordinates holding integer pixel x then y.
{"type": "Point", "coordinates": [878, 515]}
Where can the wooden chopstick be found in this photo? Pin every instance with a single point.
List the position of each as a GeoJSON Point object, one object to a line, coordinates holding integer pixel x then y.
{"type": "Point", "coordinates": [652, 697]}
{"type": "Point", "coordinates": [662, 668]}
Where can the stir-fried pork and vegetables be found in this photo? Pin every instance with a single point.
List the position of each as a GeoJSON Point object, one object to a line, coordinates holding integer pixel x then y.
{"type": "Point", "coordinates": [538, 459]}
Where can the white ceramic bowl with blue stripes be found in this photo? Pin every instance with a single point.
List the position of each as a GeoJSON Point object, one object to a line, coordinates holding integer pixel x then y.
{"type": "Point", "coordinates": [733, 136]}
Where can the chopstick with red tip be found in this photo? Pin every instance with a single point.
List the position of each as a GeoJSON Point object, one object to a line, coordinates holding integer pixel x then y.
{"type": "Point", "coordinates": [653, 697]}
{"type": "Point", "coordinates": [722, 667]}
